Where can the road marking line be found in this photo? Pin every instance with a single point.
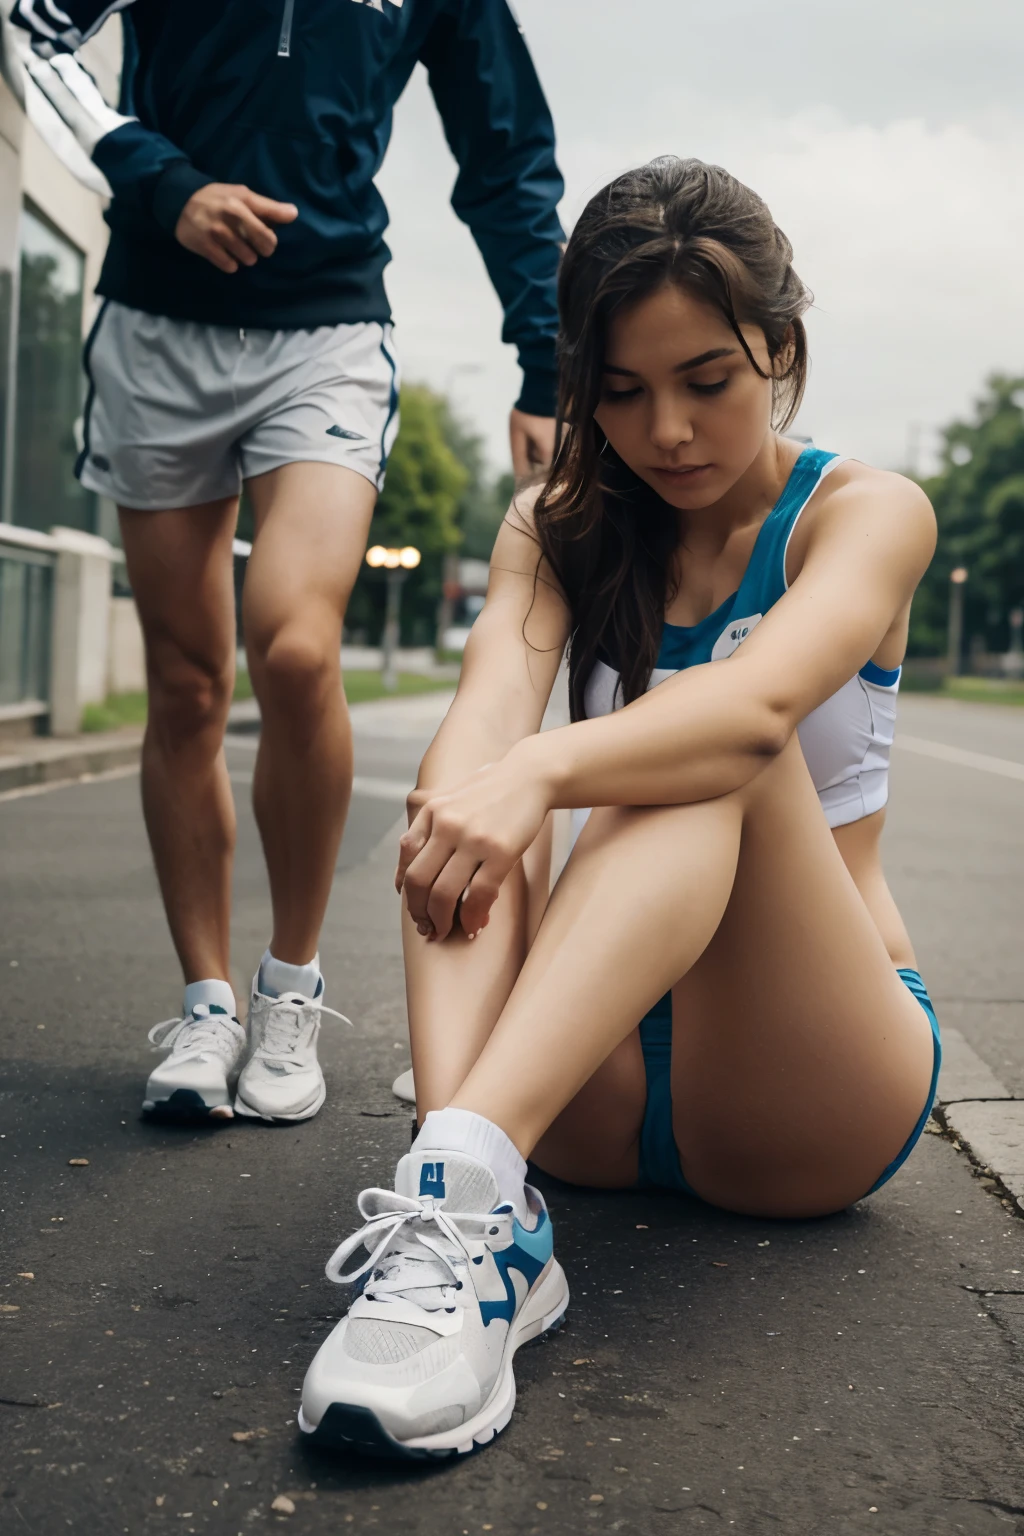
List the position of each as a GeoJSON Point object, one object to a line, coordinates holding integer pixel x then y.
{"type": "Point", "coordinates": [1002, 766]}
{"type": "Point", "coordinates": [370, 789]}
{"type": "Point", "coordinates": [27, 790]}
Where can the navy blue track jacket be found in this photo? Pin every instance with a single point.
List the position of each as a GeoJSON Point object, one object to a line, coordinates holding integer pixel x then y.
{"type": "Point", "coordinates": [294, 99]}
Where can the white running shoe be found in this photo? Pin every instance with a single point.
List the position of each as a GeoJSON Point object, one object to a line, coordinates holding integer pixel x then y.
{"type": "Point", "coordinates": [404, 1087]}
{"type": "Point", "coordinates": [203, 1052]}
{"type": "Point", "coordinates": [421, 1367]}
{"type": "Point", "coordinates": [282, 1079]}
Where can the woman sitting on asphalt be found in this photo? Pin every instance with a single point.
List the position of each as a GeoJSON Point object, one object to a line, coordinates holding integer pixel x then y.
{"type": "Point", "coordinates": [720, 996]}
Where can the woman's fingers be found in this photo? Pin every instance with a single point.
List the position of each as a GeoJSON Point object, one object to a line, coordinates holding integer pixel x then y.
{"type": "Point", "coordinates": [412, 843]}
{"type": "Point", "coordinates": [481, 892]}
{"type": "Point", "coordinates": [420, 876]}
{"type": "Point", "coordinates": [445, 893]}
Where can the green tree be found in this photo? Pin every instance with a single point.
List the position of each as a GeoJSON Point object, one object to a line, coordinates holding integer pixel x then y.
{"type": "Point", "coordinates": [484, 501]}
{"type": "Point", "coordinates": [978, 496]}
{"type": "Point", "coordinates": [419, 505]}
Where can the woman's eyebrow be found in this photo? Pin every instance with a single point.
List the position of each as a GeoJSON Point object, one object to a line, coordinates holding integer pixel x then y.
{"type": "Point", "coordinates": [693, 362]}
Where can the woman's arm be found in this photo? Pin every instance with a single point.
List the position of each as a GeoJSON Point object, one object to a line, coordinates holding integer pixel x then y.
{"type": "Point", "coordinates": [703, 733]}
{"type": "Point", "coordinates": [710, 729]}
{"type": "Point", "coordinates": [509, 667]}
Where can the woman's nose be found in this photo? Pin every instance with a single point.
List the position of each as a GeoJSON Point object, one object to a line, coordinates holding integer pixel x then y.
{"type": "Point", "coordinates": [670, 425]}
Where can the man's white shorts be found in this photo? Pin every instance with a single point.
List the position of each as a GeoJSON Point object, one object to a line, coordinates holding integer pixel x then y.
{"type": "Point", "coordinates": [180, 413]}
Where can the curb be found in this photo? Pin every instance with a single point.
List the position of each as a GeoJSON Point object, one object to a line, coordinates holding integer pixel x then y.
{"type": "Point", "coordinates": [55, 762]}
{"type": "Point", "coordinates": [78, 761]}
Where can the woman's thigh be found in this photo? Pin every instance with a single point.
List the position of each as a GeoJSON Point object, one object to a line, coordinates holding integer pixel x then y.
{"type": "Point", "coordinates": [800, 1061]}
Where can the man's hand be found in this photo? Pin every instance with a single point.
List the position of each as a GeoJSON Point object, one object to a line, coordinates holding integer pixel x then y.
{"type": "Point", "coordinates": [533, 445]}
{"type": "Point", "coordinates": [230, 226]}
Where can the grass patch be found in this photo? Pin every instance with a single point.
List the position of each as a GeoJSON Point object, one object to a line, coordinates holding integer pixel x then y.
{"type": "Point", "coordinates": [116, 711]}
{"type": "Point", "coordinates": [362, 687]}
{"type": "Point", "coordinates": [984, 690]}
{"type": "Point", "coordinates": [124, 709]}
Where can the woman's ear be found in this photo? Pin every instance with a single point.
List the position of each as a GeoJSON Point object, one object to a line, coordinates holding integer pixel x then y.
{"type": "Point", "coordinates": [785, 357]}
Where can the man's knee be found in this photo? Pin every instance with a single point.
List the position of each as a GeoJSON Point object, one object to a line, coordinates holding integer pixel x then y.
{"type": "Point", "coordinates": [295, 669]}
{"type": "Point", "coordinates": [189, 696]}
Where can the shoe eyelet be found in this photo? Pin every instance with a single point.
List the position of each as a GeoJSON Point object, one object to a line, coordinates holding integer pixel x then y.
{"type": "Point", "coordinates": [449, 1309]}
{"type": "Point", "coordinates": [458, 1285]}
{"type": "Point", "coordinates": [494, 1232]}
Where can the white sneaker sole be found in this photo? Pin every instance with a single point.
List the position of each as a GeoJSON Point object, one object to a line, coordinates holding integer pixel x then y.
{"type": "Point", "coordinates": [354, 1428]}
{"type": "Point", "coordinates": [283, 1117]}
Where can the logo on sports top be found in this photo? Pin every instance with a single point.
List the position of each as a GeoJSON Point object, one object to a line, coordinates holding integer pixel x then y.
{"type": "Point", "coordinates": [733, 636]}
{"type": "Point", "coordinates": [432, 1180]}
{"type": "Point", "coordinates": [343, 432]}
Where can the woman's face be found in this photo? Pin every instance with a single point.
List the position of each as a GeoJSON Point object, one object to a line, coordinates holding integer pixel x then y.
{"type": "Point", "coordinates": [680, 403]}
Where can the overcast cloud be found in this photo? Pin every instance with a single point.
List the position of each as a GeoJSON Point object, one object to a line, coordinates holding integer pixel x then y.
{"type": "Point", "coordinates": [887, 137]}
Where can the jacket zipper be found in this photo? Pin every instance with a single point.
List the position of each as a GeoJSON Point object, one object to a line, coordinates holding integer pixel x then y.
{"type": "Point", "coordinates": [284, 42]}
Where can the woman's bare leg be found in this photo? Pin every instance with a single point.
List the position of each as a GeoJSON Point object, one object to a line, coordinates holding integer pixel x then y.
{"type": "Point", "coordinates": [456, 990]}
{"type": "Point", "coordinates": [800, 1061]}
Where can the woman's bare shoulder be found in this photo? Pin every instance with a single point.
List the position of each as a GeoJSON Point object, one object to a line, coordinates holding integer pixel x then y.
{"type": "Point", "coordinates": [853, 479]}
{"type": "Point", "coordinates": [876, 496]}
{"type": "Point", "coordinates": [518, 546]}
{"type": "Point", "coordinates": [521, 514]}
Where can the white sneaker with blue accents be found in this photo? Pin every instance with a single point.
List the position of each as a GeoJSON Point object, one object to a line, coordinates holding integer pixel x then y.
{"type": "Point", "coordinates": [455, 1282]}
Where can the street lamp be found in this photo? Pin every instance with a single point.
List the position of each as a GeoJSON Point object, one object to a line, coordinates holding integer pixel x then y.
{"type": "Point", "coordinates": [957, 582]}
{"type": "Point", "coordinates": [1013, 661]}
{"type": "Point", "coordinates": [396, 564]}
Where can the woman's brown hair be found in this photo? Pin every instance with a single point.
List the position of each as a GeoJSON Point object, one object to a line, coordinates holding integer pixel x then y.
{"type": "Point", "coordinates": [608, 537]}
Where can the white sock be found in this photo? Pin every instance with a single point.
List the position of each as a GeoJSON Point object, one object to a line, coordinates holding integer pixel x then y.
{"type": "Point", "coordinates": [460, 1130]}
{"type": "Point", "coordinates": [278, 977]}
{"type": "Point", "coordinates": [215, 994]}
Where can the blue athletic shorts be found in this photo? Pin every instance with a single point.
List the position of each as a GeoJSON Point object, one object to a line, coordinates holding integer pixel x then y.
{"type": "Point", "coordinates": [659, 1156]}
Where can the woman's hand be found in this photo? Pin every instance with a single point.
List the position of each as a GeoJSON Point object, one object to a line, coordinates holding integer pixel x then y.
{"type": "Point", "coordinates": [463, 842]}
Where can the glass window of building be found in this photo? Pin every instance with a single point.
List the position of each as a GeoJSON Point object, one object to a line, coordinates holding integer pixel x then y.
{"type": "Point", "coordinates": [49, 385]}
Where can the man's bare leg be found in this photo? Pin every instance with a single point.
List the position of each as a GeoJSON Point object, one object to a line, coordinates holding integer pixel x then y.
{"type": "Point", "coordinates": [180, 567]}
{"type": "Point", "coordinates": [311, 527]}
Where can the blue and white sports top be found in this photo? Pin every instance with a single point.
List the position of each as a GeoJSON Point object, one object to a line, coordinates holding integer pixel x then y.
{"type": "Point", "coordinates": [846, 741]}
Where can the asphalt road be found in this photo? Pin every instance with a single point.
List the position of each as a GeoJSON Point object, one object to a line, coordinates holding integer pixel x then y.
{"type": "Point", "coordinates": [860, 1374]}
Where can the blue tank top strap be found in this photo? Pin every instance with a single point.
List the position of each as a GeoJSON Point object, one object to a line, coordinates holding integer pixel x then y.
{"type": "Point", "coordinates": [764, 580]}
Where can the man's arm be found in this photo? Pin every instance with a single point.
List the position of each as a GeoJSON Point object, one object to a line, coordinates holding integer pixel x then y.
{"type": "Point", "coordinates": [148, 175]}
{"type": "Point", "coordinates": [499, 129]}
{"type": "Point", "coordinates": [145, 171]}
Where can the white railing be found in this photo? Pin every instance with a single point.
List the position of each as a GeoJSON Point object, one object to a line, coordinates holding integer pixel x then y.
{"type": "Point", "coordinates": [27, 564]}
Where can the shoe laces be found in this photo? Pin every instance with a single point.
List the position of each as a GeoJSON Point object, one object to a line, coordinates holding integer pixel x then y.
{"type": "Point", "coordinates": [197, 1032]}
{"type": "Point", "coordinates": [418, 1250]}
{"type": "Point", "coordinates": [282, 1026]}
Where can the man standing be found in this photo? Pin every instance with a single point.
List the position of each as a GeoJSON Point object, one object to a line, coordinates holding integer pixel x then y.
{"type": "Point", "coordinates": [245, 336]}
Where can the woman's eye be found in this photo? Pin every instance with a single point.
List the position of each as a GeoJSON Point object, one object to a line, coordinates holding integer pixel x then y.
{"type": "Point", "coordinates": [709, 389]}
{"type": "Point", "coordinates": [621, 394]}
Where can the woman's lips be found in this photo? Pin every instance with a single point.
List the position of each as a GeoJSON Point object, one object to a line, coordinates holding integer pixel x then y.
{"type": "Point", "coordinates": [685, 472]}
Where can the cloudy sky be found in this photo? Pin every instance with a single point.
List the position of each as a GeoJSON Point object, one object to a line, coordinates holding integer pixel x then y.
{"type": "Point", "coordinates": [887, 137]}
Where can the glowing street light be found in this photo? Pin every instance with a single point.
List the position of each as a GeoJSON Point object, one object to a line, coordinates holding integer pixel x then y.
{"type": "Point", "coordinates": [396, 563]}
{"type": "Point", "coordinates": [406, 559]}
